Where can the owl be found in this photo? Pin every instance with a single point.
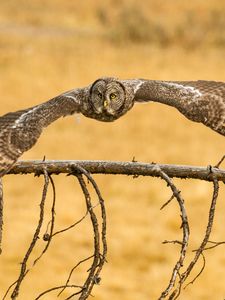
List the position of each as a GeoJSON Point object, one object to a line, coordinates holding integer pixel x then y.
{"type": "Point", "coordinates": [107, 99]}
{"type": "Point", "coordinates": [104, 100]}
{"type": "Point", "coordinates": [200, 101]}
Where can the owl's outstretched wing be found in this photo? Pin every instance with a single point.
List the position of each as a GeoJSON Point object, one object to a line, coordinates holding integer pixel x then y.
{"type": "Point", "coordinates": [20, 130]}
{"type": "Point", "coordinates": [8, 152]}
{"type": "Point", "coordinates": [200, 101]}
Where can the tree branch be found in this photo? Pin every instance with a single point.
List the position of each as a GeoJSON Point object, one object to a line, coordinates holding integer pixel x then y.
{"type": "Point", "coordinates": [82, 169]}
{"type": "Point", "coordinates": [186, 233]}
{"type": "Point", "coordinates": [24, 270]}
{"type": "Point", "coordinates": [123, 168]}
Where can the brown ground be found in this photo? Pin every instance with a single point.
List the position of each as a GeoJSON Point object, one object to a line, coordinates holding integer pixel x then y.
{"type": "Point", "coordinates": [47, 47]}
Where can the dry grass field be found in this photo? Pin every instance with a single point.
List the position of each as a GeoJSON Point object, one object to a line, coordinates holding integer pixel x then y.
{"type": "Point", "coordinates": [47, 47]}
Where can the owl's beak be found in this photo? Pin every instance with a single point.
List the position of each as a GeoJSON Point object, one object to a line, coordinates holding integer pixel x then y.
{"type": "Point", "coordinates": [105, 103]}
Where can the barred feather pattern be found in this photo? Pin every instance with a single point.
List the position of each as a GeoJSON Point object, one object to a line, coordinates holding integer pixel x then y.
{"type": "Point", "coordinates": [8, 153]}
{"type": "Point", "coordinates": [20, 130]}
{"type": "Point", "coordinates": [200, 101]}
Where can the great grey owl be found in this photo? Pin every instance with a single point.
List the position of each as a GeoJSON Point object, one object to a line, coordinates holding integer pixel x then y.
{"type": "Point", "coordinates": [106, 100]}
{"type": "Point", "coordinates": [200, 101]}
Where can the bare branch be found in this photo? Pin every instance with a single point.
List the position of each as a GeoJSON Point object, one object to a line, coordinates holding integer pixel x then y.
{"type": "Point", "coordinates": [172, 242]}
{"type": "Point", "coordinates": [82, 170]}
{"type": "Point", "coordinates": [103, 215]}
{"type": "Point", "coordinates": [220, 162]}
{"type": "Point", "coordinates": [52, 222]}
{"type": "Point", "coordinates": [167, 202]}
{"type": "Point", "coordinates": [199, 251]}
{"type": "Point", "coordinates": [186, 232]}
{"type": "Point", "coordinates": [8, 290]}
{"type": "Point", "coordinates": [98, 258]}
{"type": "Point", "coordinates": [89, 281]}
{"type": "Point", "coordinates": [58, 288]}
{"type": "Point", "coordinates": [71, 226]}
{"type": "Point", "coordinates": [207, 233]}
{"type": "Point", "coordinates": [215, 244]}
{"type": "Point", "coordinates": [200, 272]}
{"type": "Point", "coordinates": [24, 271]}
{"type": "Point", "coordinates": [71, 272]}
{"type": "Point", "coordinates": [110, 167]}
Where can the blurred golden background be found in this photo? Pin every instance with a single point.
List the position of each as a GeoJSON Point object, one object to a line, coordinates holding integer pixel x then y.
{"type": "Point", "coordinates": [47, 47]}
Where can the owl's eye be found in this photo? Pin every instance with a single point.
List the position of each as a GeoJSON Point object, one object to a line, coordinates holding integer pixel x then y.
{"type": "Point", "coordinates": [112, 96]}
{"type": "Point", "coordinates": [99, 95]}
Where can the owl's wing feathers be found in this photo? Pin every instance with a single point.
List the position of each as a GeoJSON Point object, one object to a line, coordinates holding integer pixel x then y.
{"type": "Point", "coordinates": [200, 101]}
{"type": "Point", "coordinates": [20, 130]}
{"type": "Point", "coordinates": [8, 153]}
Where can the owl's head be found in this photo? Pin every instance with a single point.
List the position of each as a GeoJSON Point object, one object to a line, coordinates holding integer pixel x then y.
{"type": "Point", "coordinates": [109, 99]}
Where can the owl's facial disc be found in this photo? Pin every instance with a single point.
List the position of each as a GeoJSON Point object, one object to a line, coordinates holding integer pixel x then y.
{"type": "Point", "coordinates": [114, 98]}
{"type": "Point", "coordinates": [108, 99]}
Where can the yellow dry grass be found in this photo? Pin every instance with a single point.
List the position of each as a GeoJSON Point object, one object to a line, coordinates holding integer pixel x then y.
{"type": "Point", "coordinates": [47, 47]}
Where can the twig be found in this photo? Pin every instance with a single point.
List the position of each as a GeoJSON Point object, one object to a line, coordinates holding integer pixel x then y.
{"type": "Point", "coordinates": [215, 244]}
{"type": "Point", "coordinates": [98, 258]}
{"type": "Point", "coordinates": [103, 215]}
{"type": "Point", "coordinates": [167, 202]}
{"type": "Point", "coordinates": [207, 233]}
{"type": "Point", "coordinates": [58, 288]}
{"type": "Point", "coordinates": [201, 248]}
{"type": "Point", "coordinates": [176, 293]}
{"type": "Point", "coordinates": [71, 226]}
{"type": "Point", "coordinates": [23, 270]}
{"type": "Point", "coordinates": [52, 222]}
{"type": "Point", "coordinates": [220, 162]}
{"type": "Point", "coordinates": [89, 281]}
{"type": "Point", "coordinates": [8, 289]}
{"type": "Point", "coordinates": [172, 242]}
{"type": "Point", "coordinates": [95, 270]}
{"type": "Point", "coordinates": [200, 272]}
{"type": "Point", "coordinates": [71, 272]}
{"type": "Point", "coordinates": [186, 232]}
